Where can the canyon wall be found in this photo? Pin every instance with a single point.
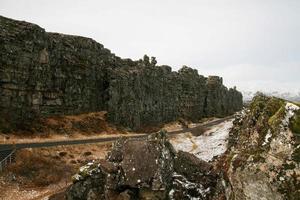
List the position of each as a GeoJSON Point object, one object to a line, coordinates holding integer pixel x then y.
{"type": "Point", "coordinates": [44, 74]}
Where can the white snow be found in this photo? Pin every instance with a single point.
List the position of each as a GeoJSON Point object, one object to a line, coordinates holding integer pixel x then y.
{"type": "Point", "coordinates": [171, 194]}
{"type": "Point", "coordinates": [290, 109]}
{"type": "Point", "coordinates": [212, 143]}
{"type": "Point", "coordinates": [268, 136]}
{"type": "Point", "coordinates": [84, 168]}
{"type": "Point", "coordinates": [181, 180]}
{"type": "Point", "coordinates": [77, 177]}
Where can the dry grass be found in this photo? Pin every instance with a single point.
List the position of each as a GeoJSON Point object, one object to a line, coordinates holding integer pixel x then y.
{"type": "Point", "coordinates": [45, 166]}
{"type": "Point", "coordinates": [83, 123]}
{"type": "Point", "coordinates": [184, 123]}
{"type": "Point", "coordinates": [64, 127]}
{"type": "Point", "coordinates": [197, 131]}
{"type": "Point", "coordinates": [207, 119]}
{"type": "Point", "coordinates": [89, 123]}
{"type": "Point", "coordinates": [86, 124]}
{"type": "Point", "coordinates": [40, 170]}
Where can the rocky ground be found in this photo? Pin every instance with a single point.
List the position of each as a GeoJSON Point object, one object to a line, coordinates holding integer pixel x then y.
{"type": "Point", "coordinates": [253, 157]}
{"type": "Point", "coordinates": [18, 180]}
{"type": "Point", "coordinates": [153, 169]}
{"type": "Point", "coordinates": [146, 169]}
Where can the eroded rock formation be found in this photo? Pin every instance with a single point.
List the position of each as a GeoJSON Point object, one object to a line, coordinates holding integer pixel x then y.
{"type": "Point", "coordinates": [263, 160]}
{"type": "Point", "coordinates": [45, 74]}
{"type": "Point", "coordinates": [146, 168]}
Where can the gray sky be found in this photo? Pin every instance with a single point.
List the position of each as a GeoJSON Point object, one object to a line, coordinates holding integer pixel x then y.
{"type": "Point", "coordinates": [253, 44]}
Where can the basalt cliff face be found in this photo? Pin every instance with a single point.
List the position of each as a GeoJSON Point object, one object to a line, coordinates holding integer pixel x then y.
{"type": "Point", "coordinates": [44, 74]}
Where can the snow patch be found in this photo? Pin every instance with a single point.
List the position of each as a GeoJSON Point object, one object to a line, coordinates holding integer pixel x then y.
{"type": "Point", "coordinates": [181, 180]}
{"type": "Point", "coordinates": [212, 143]}
{"type": "Point", "coordinates": [268, 136]}
{"type": "Point", "coordinates": [290, 109]}
{"type": "Point", "coordinates": [171, 194]}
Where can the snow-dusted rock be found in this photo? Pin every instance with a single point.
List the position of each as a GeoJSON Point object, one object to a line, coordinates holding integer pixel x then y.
{"type": "Point", "coordinates": [263, 159]}
{"type": "Point", "coordinates": [145, 168]}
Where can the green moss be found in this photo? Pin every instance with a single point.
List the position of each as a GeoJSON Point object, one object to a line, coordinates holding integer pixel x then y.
{"type": "Point", "coordinates": [295, 124]}
{"type": "Point", "coordinates": [263, 107]}
{"type": "Point", "coordinates": [258, 104]}
{"type": "Point", "coordinates": [296, 155]}
{"type": "Point", "coordinates": [273, 105]}
{"type": "Point", "coordinates": [277, 118]}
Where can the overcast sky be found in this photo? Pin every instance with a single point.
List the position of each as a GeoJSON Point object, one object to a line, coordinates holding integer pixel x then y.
{"type": "Point", "coordinates": [253, 44]}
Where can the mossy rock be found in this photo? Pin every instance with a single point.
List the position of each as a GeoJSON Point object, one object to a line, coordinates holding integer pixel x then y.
{"type": "Point", "coordinates": [273, 105]}
{"type": "Point", "coordinates": [277, 118]}
{"type": "Point", "coordinates": [295, 124]}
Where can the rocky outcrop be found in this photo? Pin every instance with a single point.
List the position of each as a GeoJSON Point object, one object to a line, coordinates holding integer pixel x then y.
{"type": "Point", "coordinates": [149, 95]}
{"type": "Point", "coordinates": [159, 94]}
{"type": "Point", "coordinates": [45, 74]}
{"type": "Point", "coordinates": [263, 159]}
{"type": "Point", "coordinates": [146, 168]}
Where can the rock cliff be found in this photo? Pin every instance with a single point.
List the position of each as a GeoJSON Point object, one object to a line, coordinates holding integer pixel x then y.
{"type": "Point", "coordinates": [44, 74]}
{"type": "Point", "coordinates": [263, 159]}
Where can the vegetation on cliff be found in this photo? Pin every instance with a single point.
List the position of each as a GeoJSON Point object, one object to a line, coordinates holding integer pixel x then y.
{"type": "Point", "coordinates": [263, 159]}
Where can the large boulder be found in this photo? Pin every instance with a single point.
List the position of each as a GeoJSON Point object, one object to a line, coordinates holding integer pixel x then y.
{"type": "Point", "coordinates": [193, 178]}
{"type": "Point", "coordinates": [145, 168]}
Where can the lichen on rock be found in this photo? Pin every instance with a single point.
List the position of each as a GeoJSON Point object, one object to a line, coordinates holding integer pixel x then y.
{"type": "Point", "coordinates": [262, 159]}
